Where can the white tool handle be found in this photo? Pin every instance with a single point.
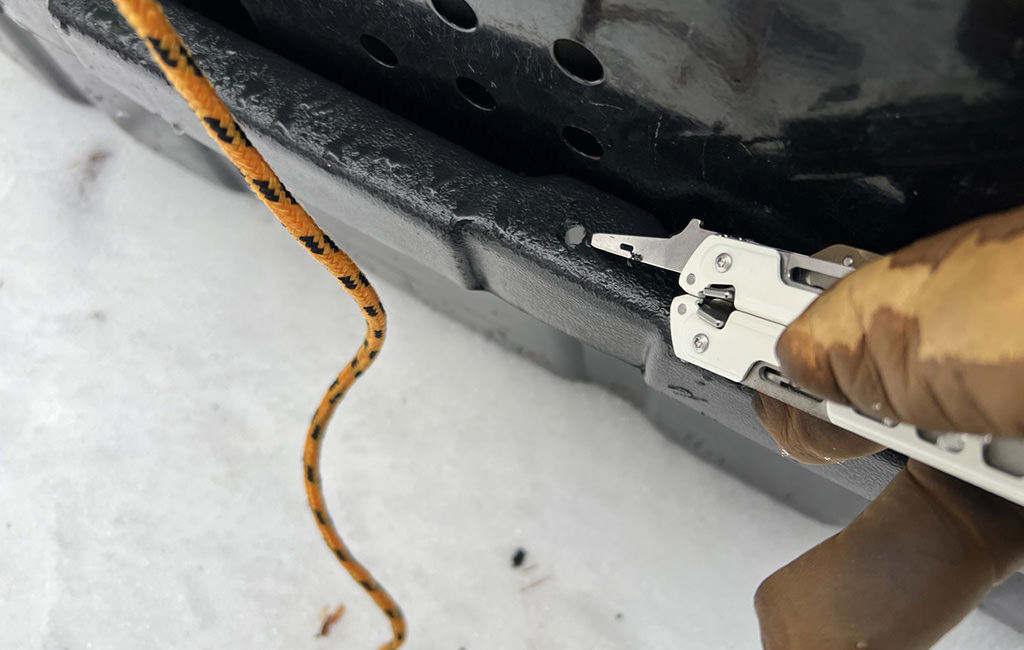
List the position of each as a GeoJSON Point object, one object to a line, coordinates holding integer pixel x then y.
{"type": "Point", "coordinates": [745, 341]}
{"type": "Point", "coordinates": [958, 454]}
{"type": "Point", "coordinates": [756, 272]}
{"type": "Point", "coordinates": [730, 351]}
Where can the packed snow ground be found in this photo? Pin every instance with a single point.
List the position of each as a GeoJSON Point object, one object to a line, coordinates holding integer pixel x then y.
{"type": "Point", "coordinates": [162, 346]}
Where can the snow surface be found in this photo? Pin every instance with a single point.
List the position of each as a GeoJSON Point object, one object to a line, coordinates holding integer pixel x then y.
{"type": "Point", "coordinates": [162, 346]}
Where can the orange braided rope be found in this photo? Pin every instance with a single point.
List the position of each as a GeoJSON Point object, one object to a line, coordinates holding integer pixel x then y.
{"type": "Point", "coordinates": [148, 20]}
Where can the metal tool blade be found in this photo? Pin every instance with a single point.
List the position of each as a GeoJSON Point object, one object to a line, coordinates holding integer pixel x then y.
{"type": "Point", "coordinates": [670, 253]}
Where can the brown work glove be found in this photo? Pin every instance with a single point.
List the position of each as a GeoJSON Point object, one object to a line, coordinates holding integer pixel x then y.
{"type": "Point", "coordinates": [932, 335]}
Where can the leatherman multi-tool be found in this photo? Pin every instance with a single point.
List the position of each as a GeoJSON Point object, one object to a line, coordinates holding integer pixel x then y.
{"type": "Point", "coordinates": [738, 298]}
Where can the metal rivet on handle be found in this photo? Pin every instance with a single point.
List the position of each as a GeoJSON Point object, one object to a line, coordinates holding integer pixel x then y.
{"type": "Point", "coordinates": [681, 308]}
{"type": "Point", "coordinates": [700, 343]}
{"type": "Point", "coordinates": [691, 278]}
{"type": "Point", "coordinates": [847, 261]}
{"type": "Point", "coordinates": [723, 262]}
{"type": "Point", "coordinates": [952, 442]}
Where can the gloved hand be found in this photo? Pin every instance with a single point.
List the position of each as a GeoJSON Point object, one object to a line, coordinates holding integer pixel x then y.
{"type": "Point", "coordinates": [932, 335]}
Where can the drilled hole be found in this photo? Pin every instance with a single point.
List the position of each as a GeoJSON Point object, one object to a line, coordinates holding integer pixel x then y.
{"type": "Point", "coordinates": [575, 235]}
{"type": "Point", "coordinates": [582, 142]}
{"type": "Point", "coordinates": [456, 13]}
{"type": "Point", "coordinates": [379, 50]}
{"type": "Point", "coordinates": [475, 94]}
{"type": "Point", "coordinates": [577, 61]}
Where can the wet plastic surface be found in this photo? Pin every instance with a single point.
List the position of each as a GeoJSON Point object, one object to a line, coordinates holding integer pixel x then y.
{"type": "Point", "coordinates": [792, 123]}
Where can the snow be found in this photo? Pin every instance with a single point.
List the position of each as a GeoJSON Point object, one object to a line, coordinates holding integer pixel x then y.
{"type": "Point", "coordinates": [162, 346]}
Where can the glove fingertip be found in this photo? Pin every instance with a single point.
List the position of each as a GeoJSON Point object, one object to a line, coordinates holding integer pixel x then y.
{"type": "Point", "coordinates": [806, 363]}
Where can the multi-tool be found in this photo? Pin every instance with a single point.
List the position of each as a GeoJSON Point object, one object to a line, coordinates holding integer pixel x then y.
{"type": "Point", "coordinates": [738, 296]}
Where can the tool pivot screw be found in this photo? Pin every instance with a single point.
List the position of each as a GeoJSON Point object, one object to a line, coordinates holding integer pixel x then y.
{"type": "Point", "coordinates": [700, 343]}
{"type": "Point", "coordinates": [723, 262]}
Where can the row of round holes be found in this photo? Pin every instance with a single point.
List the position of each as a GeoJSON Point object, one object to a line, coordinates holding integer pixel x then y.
{"type": "Point", "coordinates": [573, 58]}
